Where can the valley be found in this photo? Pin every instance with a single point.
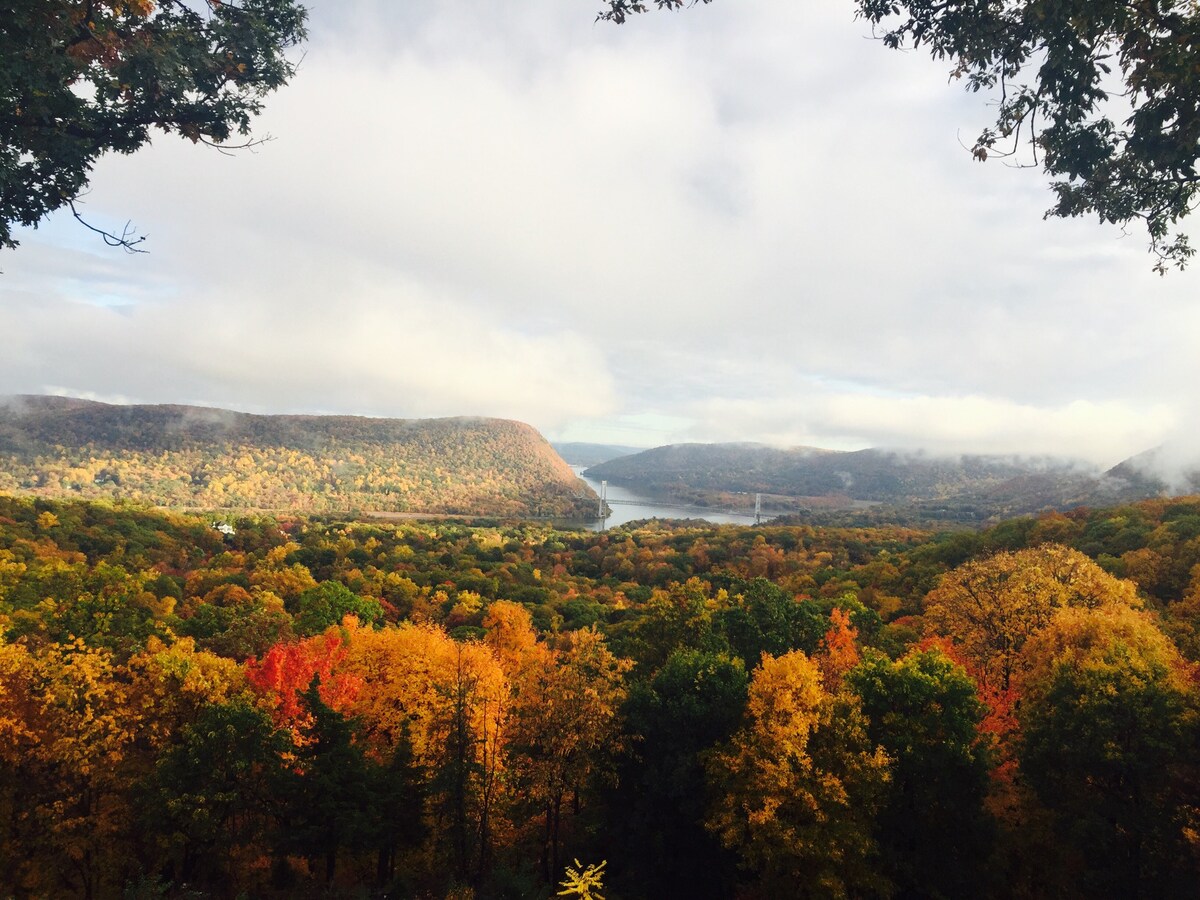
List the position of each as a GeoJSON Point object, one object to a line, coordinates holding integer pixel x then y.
{"type": "Point", "coordinates": [362, 650]}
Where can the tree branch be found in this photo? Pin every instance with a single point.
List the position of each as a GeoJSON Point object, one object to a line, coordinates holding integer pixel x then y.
{"type": "Point", "coordinates": [127, 240]}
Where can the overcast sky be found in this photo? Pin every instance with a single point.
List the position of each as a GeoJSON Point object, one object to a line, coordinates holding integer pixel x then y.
{"type": "Point", "coordinates": [744, 221]}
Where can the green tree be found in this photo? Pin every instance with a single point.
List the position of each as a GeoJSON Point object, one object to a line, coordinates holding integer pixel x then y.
{"type": "Point", "coordinates": [764, 618]}
{"type": "Point", "coordinates": [1105, 94]}
{"type": "Point", "coordinates": [1110, 720]}
{"type": "Point", "coordinates": [210, 795]}
{"type": "Point", "coordinates": [238, 632]}
{"type": "Point", "coordinates": [328, 793]}
{"type": "Point", "coordinates": [328, 603]}
{"type": "Point", "coordinates": [680, 616]}
{"type": "Point", "coordinates": [398, 790]}
{"type": "Point", "coordinates": [933, 830]}
{"type": "Point", "coordinates": [79, 79]}
{"type": "Point", "coordinates": [693, 703]}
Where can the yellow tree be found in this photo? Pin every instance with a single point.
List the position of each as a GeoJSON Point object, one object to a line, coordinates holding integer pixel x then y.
{"type": "Point", "coordinates": [510, 633]}
{"type": "Point", "coordinates": [16, 714]}
{"type": "Point", "coordinates": [67, 728]}
{"type": "Point", "coordinates": [170, 685]}
{"type": "Point", "coordinates": [448, 702]}
{"type": "Point", "coordinates": [273, 574]}
{"type": "Point", "coordinates": [1110, 721]}
{"type": "Point", "coordinates": [566, 730]}
{"type": "Point", "coordinates": [990, 607]}
{"type": "Point", "coordinates": [798, 786]}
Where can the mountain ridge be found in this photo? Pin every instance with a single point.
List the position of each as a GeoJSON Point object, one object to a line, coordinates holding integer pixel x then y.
{"type": "Point", "coordinates": [181, 455]}
{"type": "Point", "coordinates": [960, 487]}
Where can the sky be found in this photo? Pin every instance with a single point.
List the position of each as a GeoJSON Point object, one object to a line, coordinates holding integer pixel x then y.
{"type": "Point", "coordinates": [745, 221]}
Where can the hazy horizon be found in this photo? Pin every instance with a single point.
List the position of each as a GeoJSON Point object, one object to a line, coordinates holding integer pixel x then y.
{"type": "Point", "coordinates": [1172, 458]}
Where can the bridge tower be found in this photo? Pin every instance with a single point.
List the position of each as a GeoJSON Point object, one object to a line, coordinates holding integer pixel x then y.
{"type": "Point", "coordinates": [758, 509]}
{"type": "Point", "coordinates": [603, 499]}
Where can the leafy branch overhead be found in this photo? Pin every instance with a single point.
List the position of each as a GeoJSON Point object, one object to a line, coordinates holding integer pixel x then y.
{"type": "Point", "coordinates": [619, 10]}
{"type": "Point", "coordinates": [1103, 95]}
{"type": "Point", "coordinates": [80, 78]}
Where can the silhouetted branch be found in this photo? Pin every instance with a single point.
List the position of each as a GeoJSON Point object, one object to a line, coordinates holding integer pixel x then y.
{"type": "Point", "coordinates": [127, 240]}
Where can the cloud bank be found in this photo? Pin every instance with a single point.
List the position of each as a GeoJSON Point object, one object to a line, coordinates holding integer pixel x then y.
{"type": "Point", "coordinates": [746, 221]}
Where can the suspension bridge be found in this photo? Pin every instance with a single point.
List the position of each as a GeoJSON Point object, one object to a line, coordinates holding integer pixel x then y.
{"type": "Point", "coordinates": [604, 502]}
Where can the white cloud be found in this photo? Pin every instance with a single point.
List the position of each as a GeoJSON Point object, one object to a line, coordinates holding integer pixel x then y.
{"type": "Point", "coordinates": [690, 221]}
{"type": "Point", "coordinates": [1100, 433]}
{"type": "Point", "coordinates": [410, 353]}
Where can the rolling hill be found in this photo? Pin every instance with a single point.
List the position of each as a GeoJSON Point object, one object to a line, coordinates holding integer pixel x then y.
{"type": "Point", "coordinates": [956, 488]}
{"type": "Point", "coordinates": [187, 456]}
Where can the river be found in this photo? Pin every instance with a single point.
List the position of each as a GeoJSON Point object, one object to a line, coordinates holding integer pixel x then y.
{"type": "Point", "coordinates": [639, 507]}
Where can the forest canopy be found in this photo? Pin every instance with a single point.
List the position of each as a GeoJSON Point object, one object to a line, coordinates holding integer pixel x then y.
{"type": "Point", "coordinates": [293, 707]}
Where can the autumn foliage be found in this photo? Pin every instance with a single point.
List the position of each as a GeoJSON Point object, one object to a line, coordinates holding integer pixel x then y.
{"type": "Point", "coordinates": [288, 669]}
{"type": "Point", "coordinates": [883, 713]}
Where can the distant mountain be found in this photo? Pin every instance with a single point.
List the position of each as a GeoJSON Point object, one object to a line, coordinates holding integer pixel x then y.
{"type": "Point", "coordinates": [578, 453]}
{"type": "Point", "coordinates": [213, 458]}
{"type": "Point", "coordinates": [1167, 469]}
{"type": "Point", "coordinates": [959, 488]}
{"type": "Point", "coordinates": [878, 475]}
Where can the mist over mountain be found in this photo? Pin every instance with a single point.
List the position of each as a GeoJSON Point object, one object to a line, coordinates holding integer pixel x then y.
{"type": "Point", "coordinates": [1171, 468]}
{"type": "Point", "coordinates": [196, 456]}
{"type": "Point", "coordinates": [582, 453]}
{"type": "Point", "coordinates": [964, 488]}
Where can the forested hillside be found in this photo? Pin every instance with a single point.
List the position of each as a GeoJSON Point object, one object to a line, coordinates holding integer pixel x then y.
{"type": "Point", "coordinates": [911, 485]}
{"type": "Point", "coordinates": [287, 707]}
{"type": "Point", "coordinates": [185, 456]}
